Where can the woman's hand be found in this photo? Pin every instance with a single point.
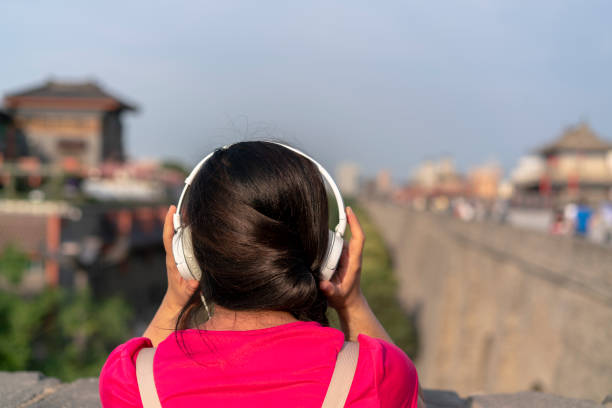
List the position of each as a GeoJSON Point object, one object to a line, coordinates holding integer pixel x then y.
{"type": "Point", "coordinates": [179, 290]}
{"type": "Point", "coordinates": [178, 293]}
{"type": "Point", "coordinates": [343, 291]}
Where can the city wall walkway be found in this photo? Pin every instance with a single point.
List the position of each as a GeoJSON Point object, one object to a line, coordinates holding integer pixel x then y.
{"type": "Point", "coordinates": [501, 309]}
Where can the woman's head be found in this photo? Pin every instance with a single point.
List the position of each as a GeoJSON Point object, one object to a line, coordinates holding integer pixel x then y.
{"type": "Point", "coordinates": [259, 223]}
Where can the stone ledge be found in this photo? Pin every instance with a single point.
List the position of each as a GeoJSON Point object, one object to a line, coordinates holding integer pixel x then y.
{"type": "Point", "coordinates": [28, 389]}
{"type": "Point", "coordinates": [530, 399]}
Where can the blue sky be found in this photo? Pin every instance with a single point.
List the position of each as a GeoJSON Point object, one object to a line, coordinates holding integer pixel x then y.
{"type": "Point", "coordinates": [386, 84]}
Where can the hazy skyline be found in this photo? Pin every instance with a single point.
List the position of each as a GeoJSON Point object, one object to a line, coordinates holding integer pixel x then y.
{"type": "Point", "coordinates": [386, 84]}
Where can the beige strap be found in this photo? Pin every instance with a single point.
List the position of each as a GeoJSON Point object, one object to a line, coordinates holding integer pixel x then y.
{"type": "Point", "coordinates": [342, 378]}
{"type": "Point", "coordinates": [146, 382]}
{"type": "Point", "coordinates": [337, 392]}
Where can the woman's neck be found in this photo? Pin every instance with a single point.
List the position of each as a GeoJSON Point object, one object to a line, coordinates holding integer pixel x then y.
{"type": "Point", "coordinates": [226, 319]}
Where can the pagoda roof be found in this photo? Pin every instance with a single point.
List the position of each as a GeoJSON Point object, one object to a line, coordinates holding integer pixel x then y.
{"type": "Point", "coordinates": [577, 138]}
{"type": "Point", "coordinates": [67, 94]}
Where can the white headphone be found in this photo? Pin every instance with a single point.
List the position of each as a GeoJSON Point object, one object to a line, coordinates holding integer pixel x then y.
{"type": "Point", "coordinates": [182, 247]}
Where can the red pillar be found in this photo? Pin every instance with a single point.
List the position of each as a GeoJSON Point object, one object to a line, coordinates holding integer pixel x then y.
{"type": "Point", "coordinates": [53, 242]}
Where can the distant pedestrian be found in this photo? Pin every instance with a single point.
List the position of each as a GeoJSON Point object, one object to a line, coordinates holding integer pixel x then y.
{"type": "Point", "coordinates": [606, 215]}
{"type": "Point", "coordinates": [558, 226]}
{"type": "Point", "coordinates": [583, 217]}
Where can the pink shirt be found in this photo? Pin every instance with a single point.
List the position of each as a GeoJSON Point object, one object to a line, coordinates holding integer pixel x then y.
{"type": "Point", "coordinates": [288, 365]}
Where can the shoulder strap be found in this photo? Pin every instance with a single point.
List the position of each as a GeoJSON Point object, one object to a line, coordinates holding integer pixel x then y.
{"type": "Point", "coordinates": [146, 382]}
{"type": "Point", "coordinates": [337, 392]}
{"type": "Point", "coordinates": [342, 378]}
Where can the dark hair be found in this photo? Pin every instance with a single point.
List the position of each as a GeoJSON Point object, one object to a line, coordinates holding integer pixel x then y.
{"type": "Point", "coordinates": [259, 219]}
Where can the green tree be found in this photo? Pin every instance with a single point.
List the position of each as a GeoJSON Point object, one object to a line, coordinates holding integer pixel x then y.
{"type": "Point", "coordinates": [175, 165]}
{"type": "Point", "coordinates": [67, 334]}
{"type": "Point", "coordinates": [13, 263]}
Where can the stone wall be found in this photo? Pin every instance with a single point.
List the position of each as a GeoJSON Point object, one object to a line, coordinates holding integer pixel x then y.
{"type": "Point", "coordinates": [33, 390]}
{"type": "Point", "coordinates": [501, 309]}
{"type": "Point", "coordinates": [27, 389]}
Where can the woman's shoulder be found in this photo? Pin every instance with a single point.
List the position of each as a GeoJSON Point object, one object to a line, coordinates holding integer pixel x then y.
{"type": "Point", "coordinates": [390, 371]}
{"type": "Point", "coordinates": [118, 385]}
{"type": "Point", "coordinates": [386, 355]}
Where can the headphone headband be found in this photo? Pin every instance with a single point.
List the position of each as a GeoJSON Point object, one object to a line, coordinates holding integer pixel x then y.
{"type": "Point", "coordinates": [340, 228]}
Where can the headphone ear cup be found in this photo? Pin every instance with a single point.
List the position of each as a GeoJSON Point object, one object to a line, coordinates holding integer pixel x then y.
{"type": "Point", "coordinates": [334, 251]}
{"type": "Point", "coordinates": [190, 259]}
{"type": "Point", "coordinates": [179, 257]}
{"type": "Point", "coordinates": [182, 249]}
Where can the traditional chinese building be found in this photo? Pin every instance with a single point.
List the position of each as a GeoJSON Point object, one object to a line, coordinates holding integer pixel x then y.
{"type": "Point", "coordinates": [70, 120]}
{"type": "Point", "coordinates": [577, 166]}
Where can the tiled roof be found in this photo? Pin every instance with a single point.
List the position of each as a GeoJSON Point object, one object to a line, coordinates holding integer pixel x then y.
{"type": "Point", "coordinates": [577, 138]}
{"type": "Point", "coordinates": [68, 90]}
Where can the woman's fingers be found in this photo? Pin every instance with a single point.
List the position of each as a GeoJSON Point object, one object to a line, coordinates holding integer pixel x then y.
{"type": "Point", "coordinates": [355, 245]}
{"type": "Point", "coordinates": [328, 288]}
{"type": "Point", "coordinates": [344, 284]}
{"type": "Point", "coordinates": [168, 229]}
{"type": "Point", "coordinates": [356, 230]}
{"type": "Point", "coordinates": [168, 234]}
{"type": "Point", "coordinates": [357, 236]}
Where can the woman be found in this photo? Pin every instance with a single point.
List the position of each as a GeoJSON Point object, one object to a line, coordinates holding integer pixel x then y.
{"type": "Point", "coordinates": [252, 330]}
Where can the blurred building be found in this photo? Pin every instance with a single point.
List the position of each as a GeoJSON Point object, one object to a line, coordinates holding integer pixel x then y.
{"type": "Point", "coordinates": [439, 177]}
{"type": "Point", "coordinates": [35, 227]}
{"type": "Point", "coordinates": [576, 166]}
{"type": "Point", "coordinates": [484, 181]}
{"type": "Point", "coordinates": [384, 184]}
{"type": "Point", "coordinates": [347, 177]}
{"type": "Point", "coordinates": [68, 197]}
{"type": "Point", "coordinates": [434, 184]}
{"type": "Point", "coordinates": [437, 174]}
{"type": "Point", "coordinates": [70, 120]}
{"type": "Point", "coordinates": [530, 168]}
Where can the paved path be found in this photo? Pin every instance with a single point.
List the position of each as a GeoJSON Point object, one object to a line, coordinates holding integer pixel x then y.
{"type": "Point", "coordinates": [502, 309]}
